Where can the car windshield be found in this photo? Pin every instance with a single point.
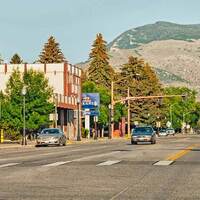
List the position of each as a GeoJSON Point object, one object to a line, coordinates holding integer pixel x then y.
{"type": "Point", "coordinates": [142, 131]}
{"type": "Point", "coordinates": [50, 131]}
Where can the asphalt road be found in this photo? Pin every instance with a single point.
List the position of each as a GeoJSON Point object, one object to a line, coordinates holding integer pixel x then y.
{"type": "Point", "coordinates": [109, 170]}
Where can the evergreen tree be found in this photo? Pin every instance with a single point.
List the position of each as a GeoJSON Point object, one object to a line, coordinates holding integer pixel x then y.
{"type": "Point", "coordinates": [142, 81]}
{"type": "Point", "coordinates": [1, 59]}
{"type": "Point", "coordinates": [51, 52]}
{"type": "Point", "coordinates": [99, 70]}
{"type": "Point", "coordinates": [16, 59]}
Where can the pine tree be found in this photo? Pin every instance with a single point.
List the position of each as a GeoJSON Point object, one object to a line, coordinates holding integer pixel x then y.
{"type": "Point", "coordinates": [16, 59]}
{"type": "Point", "coordinates": [51, 52]}
{"type": "Point", "coordinates": [99, 70]}
{"type": "Point", "coordinates": [1, 59]}
{"type": "Point", "coordinates": [142, 81]}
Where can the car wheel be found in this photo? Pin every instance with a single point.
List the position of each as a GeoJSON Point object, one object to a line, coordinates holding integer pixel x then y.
{"type": "Point", "coordinates": [153, 142]}
{"type": "Point", "coordinates": [64, 144]}
{"type": "Point", "coordinates": [132, 142]}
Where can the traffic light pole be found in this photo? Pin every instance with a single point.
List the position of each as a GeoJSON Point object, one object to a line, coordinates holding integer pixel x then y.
{"type": "Point", "coordinates": [128, 117]}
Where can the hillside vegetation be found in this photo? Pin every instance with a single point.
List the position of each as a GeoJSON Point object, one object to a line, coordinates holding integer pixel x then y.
{"type": "Point", "coordinates": [155, 32]}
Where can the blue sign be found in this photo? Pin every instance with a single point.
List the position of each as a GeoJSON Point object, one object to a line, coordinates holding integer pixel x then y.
{"type": "Point", "coordinates": [90, 101]}
{"type": "Point", "coordinates": [91, 112]}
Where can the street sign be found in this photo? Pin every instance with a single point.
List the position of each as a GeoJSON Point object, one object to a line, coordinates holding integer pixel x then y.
{"type": "Point", "coordinates": [90, 100]}
{"type": "Point", "coordinates": [91, 112]}
{"type": "Point", "coordinates": [168, 124]}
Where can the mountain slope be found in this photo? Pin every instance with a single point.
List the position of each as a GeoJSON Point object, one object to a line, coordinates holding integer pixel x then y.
{"type": "Point", "coordinates": [172, 49]}
{"type": "Point", "coordinates": [156, 32]}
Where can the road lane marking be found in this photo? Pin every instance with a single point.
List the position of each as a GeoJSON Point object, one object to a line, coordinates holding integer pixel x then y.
{"type": "Point", "coordinates": [96, 156]}
{"type": "Point", "coordinates": [8, 165]}
{"type": "Point", "coordinates": [118, 194]}
{"type": "Point", "coordinates": [181, 153]}
{"type": "Point", "coordinates": [56, 164]}
{"type": "Point", "coordinates": [62, 151]}
{"type": "Point", "coordinates": [163, 163]}
{"type": "Point", "coordinates": [109, 162]}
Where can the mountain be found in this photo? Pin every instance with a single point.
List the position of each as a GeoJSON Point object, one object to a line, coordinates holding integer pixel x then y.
{"type": "Point", "coordinates": [172, 49]}
{"type": "Point", "coordinates": [156, 32]}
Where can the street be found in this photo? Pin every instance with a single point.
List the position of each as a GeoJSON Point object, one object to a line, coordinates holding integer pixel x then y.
{"type": "Point", "coordinates": [103, 170]}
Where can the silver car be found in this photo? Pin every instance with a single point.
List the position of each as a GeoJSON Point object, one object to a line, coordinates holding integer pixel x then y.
{"type": "Point", "coordinates": [51, 136]}
{"type": "Point", "coordinates": [143, 134]}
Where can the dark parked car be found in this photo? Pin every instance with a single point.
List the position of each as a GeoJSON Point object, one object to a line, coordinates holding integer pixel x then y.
{"type": "Point", "coordinates": [143, 134]}
{"type": "Point", "coordinates": [51, 136]}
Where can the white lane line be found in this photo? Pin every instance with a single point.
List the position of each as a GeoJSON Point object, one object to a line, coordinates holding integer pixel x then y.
{"type": "Point", "coordinates": [51, 153]}
{"type": "Point", "coordinates": [96, 156]}
{"type": "Point", "coordinates": [118, 194]}
{"type": "Point", "coordinates": [8, 165]}
{"type": "Point", "coordinates": [109, 162]}
{"type": "Point", "coordinates": [56, 164]}
{"type": "Point", "coordinates": [164, 162]}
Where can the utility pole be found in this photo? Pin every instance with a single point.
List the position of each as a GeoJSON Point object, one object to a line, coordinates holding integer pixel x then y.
{"type": "Point", "coordinates": [112, 111]}
{"type": "Point", "coordinates": [170, 110]}
{"type": "Point", "coordinates": [79, 131]}
{"type": "Point", "coordinates": [128, 118]}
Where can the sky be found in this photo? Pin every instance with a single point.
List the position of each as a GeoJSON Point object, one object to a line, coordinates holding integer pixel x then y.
{"type": "Point", "coordinates": [27, 24]}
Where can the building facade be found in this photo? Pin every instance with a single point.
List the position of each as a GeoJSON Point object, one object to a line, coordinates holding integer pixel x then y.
{"type": "Point", "coordinates": [65, 79]}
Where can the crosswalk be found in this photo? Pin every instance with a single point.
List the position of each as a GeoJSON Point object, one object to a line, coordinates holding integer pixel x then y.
{"type": "Point", "coordinates": [60, 163]}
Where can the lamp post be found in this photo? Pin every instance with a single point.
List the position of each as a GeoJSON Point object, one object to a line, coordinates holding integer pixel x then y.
{"type": "Point", "coordinates": [55, 96]}
{"type": "Point", "coordinates": [23, 92]}
{"type": "Point", "coordinates": [95, 122]}
{"type": "Point", "coordinates": [78, 133]}
{"type": "Point", "coordinates": [171, 115]}
{"type": "Point", "coordinates": [109, 123]}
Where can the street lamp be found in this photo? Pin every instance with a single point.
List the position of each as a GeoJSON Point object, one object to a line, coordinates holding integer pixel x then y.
{"type": "Point", "coordinates": [109, 124]}
{"type": "Point", "coordinates": [23, 92]}
{"type": "Point", "coordinates": [55, 97]}
{"type": "Point", "coordinates": [78, 134]}
{"type": "Point", "coordinates": [171, 116]}
{"type": "Point", "coordinates": [95, 122]}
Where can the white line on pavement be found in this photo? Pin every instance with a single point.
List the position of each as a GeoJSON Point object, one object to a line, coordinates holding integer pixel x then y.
{"type": "Point", "coordinates": [96, 156]}
{"type": "Point", "coordinates": [109, 162]}
{"type": "Point", "coordinates": [56, 164]}
{"type": "Point", "coordinates": [118, 194]}
{"type": "Point", "coordinates": [163, 163]}
{"type": "Point", "coordinates": [8, 165]}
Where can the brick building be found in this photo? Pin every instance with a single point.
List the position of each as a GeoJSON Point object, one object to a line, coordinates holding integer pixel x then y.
{"type": "Point", "coordinates": [66, 82]}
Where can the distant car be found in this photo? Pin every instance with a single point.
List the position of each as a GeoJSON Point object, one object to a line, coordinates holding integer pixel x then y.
{"type": "Point", "coordinates": [163, 132]}
{"type": "Point", "coordinates": [51, 136]}
{"type": "Point", "coordinates": [170, 131]}
{"type": "Point", "coordinates": [143, 134]}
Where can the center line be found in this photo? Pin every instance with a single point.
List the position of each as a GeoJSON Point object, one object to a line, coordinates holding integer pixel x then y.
{"type": "Point", "coordinates": [181, 153]}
